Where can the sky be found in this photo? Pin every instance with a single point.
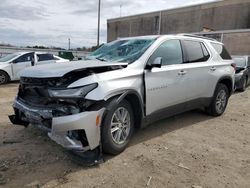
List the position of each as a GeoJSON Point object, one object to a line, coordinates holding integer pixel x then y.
{"type": "Point", "coordinates": [52, 22]}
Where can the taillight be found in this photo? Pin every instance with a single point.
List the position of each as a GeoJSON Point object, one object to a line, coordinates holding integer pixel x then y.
{"type": "Point", "coordinates": [234, 66]}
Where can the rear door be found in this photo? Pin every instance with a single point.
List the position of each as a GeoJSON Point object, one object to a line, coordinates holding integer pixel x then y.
{"type": "Point", "coordinates": [21, 63]}
{"type": "Point", "coordinates": [200, 70]}
{"type": "Point", "coordinates": [45, 59]}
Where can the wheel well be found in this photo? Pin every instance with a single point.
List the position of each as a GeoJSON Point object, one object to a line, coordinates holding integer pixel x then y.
{"type": "Point", "coordinates": [227, 82]}
{"type": "Point", "coordinates": [136, 107]}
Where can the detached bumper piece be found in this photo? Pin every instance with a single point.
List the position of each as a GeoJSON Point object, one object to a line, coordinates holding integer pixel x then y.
{"type": "Point", "coordinates": [14, 119]}
{"type": "Point", "coordinates": [88, 158]}
{"type": "Point", "coordinates": [77, 132]}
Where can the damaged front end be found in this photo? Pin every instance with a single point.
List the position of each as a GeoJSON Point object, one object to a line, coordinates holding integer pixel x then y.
{"type": "Point", "coordinates": [70, 119]}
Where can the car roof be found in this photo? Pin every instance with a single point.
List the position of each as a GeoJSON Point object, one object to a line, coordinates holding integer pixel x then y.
{"type": "Point", "coordinates": [21, 53]}
{"type": "Point", "coordinates": [140, 37]}
{"type": "Point", "coordinates": [182, 35]}
{"type": "Point", "coordinates": [26, 52]}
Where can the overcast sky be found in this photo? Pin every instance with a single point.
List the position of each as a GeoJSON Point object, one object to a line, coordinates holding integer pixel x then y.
{"type": "Point", "coordinates": [52, 22]}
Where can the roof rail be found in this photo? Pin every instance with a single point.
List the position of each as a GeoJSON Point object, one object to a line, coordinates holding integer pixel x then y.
{"type": "Point", "coordinates": [197, 36]}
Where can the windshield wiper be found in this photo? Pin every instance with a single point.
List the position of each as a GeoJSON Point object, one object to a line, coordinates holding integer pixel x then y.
{"type": "Point", "coordinates": [100, 59]}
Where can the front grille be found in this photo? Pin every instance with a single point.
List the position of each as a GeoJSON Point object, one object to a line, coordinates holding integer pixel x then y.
{"type": "Point", "coordinates": [34, 92]}
{"type": "Point", "coordinates": [39, 81]}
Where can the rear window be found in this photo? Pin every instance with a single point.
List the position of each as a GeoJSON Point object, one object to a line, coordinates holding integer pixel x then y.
{"type": "Point", "coordinates": [195, 51]}
{"type": "Point", "coordinates": [222, 51]}
{"type": "Point", "coordinates": [45, 57]}
{"type": "Point", "coordinates": [205, 52]}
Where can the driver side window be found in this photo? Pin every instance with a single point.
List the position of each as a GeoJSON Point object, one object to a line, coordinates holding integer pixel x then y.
{"type": "Point", "coordinates": [23, 58]}
{"type": "Point", "coordinates": [170, 51]}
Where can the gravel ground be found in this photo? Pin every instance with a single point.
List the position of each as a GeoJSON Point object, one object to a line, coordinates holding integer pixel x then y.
{"type": "Point", "coordinates": [189, 150]}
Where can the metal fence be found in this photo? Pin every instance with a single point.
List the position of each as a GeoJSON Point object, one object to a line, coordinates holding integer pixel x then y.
{"type": "Point", "coordinates": [8, 50]}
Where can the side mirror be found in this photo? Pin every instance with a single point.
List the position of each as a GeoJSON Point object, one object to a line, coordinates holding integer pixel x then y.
{"type": "Point", "coordinates": [156, 63]}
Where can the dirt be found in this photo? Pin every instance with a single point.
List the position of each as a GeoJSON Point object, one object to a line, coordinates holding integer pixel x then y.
{"type": "Point", "coordinates": [188, 150]}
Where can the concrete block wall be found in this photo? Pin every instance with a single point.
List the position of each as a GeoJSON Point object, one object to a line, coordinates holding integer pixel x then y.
{"type": "Point", "coordinates": [237, 43]}
{"type": "Point", "coordinates": [222, 15]}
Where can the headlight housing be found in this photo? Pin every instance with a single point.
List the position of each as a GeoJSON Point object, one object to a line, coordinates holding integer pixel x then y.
{"type": "Point", "coordinates": [78, 92]}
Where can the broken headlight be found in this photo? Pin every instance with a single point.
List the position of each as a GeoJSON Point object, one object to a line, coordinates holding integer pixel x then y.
{"type": "Point", "coordinates": [79, 92]}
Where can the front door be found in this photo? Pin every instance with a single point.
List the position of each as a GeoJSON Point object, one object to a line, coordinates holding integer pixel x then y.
{"type": "Point", "coordinates": [166, 86]}
{"type": "Point", "coordinates": [20, 64]}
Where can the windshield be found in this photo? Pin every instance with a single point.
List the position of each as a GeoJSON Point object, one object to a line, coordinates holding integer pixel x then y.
{"type": "Point", "coordinates": [240, 61]}
{"type": "Point", "coordinates": [8, 57]}
{"type": "Point", "coordinates": [122, 50]}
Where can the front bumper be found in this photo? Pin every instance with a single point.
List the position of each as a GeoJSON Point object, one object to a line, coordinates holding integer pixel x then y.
{"type": "Point", "coordinates": [59, 127]}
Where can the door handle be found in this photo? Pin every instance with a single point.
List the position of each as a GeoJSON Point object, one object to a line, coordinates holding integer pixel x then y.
{"type": "Point", "coordinates": [182, 72]}
{"type": "Point", "coordinates": [212, 68]}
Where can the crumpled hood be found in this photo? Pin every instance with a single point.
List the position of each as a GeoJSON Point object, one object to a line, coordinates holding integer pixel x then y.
{"type": "Point", "coordinates": [60, 69]}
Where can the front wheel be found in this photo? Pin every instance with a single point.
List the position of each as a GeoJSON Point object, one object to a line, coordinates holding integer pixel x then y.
{"type": "Point", "coordinates": [219, 101]}
{"type": "Point", "coordinates": [4, 78]}
{"type": "Point", "coordinates": [117, 128]}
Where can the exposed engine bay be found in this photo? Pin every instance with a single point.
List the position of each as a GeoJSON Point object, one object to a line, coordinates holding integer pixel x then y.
{"type": "Point", "coordinates": [34, 92]}
{"type": "Point", "coordinates": [49, 104]}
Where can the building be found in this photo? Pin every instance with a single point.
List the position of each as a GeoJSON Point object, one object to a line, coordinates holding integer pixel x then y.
{"type": "Point", "coordinates": [227, 21]}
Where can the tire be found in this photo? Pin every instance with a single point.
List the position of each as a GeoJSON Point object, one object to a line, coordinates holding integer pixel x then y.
{"type": "Point", "coordinates": [219, 101]}
{"type": "Point", "coordinates": [115, 142]}
{"type": "Point", "coordinates": [244, 84]}
{"type": "Point", "coordinates": [4, 77]}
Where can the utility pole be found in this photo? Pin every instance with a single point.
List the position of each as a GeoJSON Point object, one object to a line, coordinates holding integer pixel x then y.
{"type": "Point", "coordinates": [120, 10]}
{"type": "Point", "coordinates": [69, 43]}
{"type": "Point", "coordinates": [98, 30]}
{"type": "Point", "coordinates": [159, 29]}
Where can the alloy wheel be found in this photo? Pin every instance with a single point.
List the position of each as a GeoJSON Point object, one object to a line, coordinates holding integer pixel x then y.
{"type": "Point", "coordinates": [2, 79]}
{"type": "Point", "coordinates": [221, 101]}
{"type": "Point", "coordinates": [120, 125]}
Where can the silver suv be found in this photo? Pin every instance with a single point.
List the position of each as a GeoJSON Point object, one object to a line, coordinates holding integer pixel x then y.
{"type": "Point", "coordinates": [125, 84]}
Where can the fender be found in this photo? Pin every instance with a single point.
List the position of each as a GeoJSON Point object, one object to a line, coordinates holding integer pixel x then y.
{"type": "Point", "coordinates": [128, 92]}
{"type": "Point", "coordinates": [115, 100]}
{"type": "Point", "coordinates": [226, 78]}
{"type": "Point", "coordinates": [118, 98]}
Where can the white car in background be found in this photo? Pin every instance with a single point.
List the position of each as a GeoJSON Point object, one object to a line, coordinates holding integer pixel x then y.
{"type": "Point", "coordinates": [12, 64]}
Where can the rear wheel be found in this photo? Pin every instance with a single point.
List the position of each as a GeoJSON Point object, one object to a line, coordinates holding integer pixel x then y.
{"type": "Point", "coordinates": [244, 84]}
{"type": "Point", "coordinates": [4, 78]}
{"type": "Point", "coordinates": [117, 128]}
{"type": "Point", "coordinates": [219, 101]}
